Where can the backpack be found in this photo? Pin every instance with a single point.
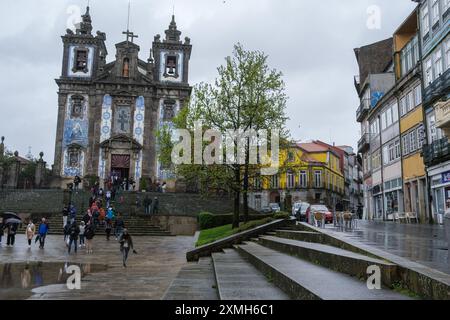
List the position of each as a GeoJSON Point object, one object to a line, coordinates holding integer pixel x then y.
{"type": "Point", "coordinates": [73, 232]}
{"type": "Point", "coordinates": [89, 233]}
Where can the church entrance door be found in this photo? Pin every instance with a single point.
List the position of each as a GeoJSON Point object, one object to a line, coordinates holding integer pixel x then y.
{"type": "Point", "coordinates": [120, 166]}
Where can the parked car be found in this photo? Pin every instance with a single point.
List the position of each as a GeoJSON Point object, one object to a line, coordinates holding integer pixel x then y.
{"type": "Point", "coordinates": [295, 207]}
{"type": "Point", "coordinates": [275, 207]}
{"type": "Point", "coordinates": [266, 209]}
{"type": "Point", "coordinates": [302, 213]}
{"type": "Point", "coordinates": [322, 209]}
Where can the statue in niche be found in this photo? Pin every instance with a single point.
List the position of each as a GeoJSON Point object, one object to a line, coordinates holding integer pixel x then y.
{"type": "Point", "coordinates": [77, 107]}
{"type": "Point", "coordinates": [74, 158]}
{"type": "Point", "coordinates": [169, 112]}
{"type": "Point", "coordinates": [126, 68]}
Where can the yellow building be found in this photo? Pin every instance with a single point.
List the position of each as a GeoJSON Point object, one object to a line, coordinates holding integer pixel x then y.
{"type": "Point", "coordinates": [308, 172]}
{"type": "Point", "coordinates": [409, 92]}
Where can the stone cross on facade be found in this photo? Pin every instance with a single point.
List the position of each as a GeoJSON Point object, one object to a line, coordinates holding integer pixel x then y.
{"type": "Point", "coordinates": [130, 35]}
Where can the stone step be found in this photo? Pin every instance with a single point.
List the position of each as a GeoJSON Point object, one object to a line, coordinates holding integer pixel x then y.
{"type": "Point", "coordinates": [195, 281]}
{"type": "Point", "coordinates": [304, 233]}
{"type": "Point", "coordinates": [307, 236]}
{"type": "Point", "coordinates": [57, 229]}
{"type": "Point", "coordinates": [337, 259]}
{"type": "Point", "coordinates": [304, 280]}
{"type": "Point", "coordinates": [237, 279]}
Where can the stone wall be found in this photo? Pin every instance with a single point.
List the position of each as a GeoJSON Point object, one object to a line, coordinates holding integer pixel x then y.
{"type": "Point", "coordinates": [177, 225]}
{"type": "Point", "coordinates": [32, 201]}
{"type": "Point", "coordinates": [52, 201]}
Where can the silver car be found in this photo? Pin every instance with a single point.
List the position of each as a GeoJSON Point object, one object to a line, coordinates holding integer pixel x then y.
{"type": "Point", "coordinates": [275, 207]}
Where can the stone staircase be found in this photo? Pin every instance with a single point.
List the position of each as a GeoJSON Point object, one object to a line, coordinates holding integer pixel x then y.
{"type": "Point", "coordinates": [289, 263]}
{"type": "Point", "coordinates": [137, 226]}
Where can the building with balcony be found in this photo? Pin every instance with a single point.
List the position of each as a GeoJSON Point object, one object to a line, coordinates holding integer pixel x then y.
{"type": "Point", "coordinates": [408, 89]}
{"type": "Point", "coordinates": [434, 37]}
{"type": "Point", "coordinates": [375, 79]}
{"type": "Point", "coordinates": [353, 197]}
{"type": "Point", "coordinates": [385, 152]}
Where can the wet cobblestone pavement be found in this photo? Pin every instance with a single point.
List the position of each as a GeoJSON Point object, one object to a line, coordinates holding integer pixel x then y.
{"type": "Point", "coordinates": [421, 243]}
{"type": "Point", "coordinates": [147, 276]}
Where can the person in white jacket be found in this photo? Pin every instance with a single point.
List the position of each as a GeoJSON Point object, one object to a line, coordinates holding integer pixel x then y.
{"type": "Point", "coordinates": [30, 231]}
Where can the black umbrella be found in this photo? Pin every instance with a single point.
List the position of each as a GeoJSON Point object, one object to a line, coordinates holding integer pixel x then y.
{"type": "Point", "coordinates": [9, 215]}
{"type": "Point", "coordinates": [13, 221]}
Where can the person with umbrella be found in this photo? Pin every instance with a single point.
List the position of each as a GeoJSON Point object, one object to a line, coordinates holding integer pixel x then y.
{"type": "Point", "coordinates": [11, 231]}
{"type": "Point", "coordinates": [11, 223]}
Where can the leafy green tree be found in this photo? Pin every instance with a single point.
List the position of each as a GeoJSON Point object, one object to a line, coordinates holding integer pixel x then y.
{"type": "Point", "coordinates": [246, 95]}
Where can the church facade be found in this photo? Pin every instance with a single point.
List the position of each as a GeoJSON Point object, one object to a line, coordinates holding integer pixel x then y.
{"type": "Point", "coordinates": [109, 113]}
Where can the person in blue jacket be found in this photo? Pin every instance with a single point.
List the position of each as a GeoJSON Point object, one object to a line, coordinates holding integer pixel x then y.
{"type": "Point", "coordinates": [43, 230]}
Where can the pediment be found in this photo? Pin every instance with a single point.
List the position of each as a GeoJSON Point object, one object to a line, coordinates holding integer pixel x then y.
{"type": "Point", "coordinates": [121, 141]}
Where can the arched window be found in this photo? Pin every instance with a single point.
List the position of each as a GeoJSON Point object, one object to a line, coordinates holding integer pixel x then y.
{"type": "Point", "coordinates": [126, 68]}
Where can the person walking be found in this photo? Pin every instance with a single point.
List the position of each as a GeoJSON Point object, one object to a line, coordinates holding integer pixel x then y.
{"type": "Point", "coordinates": [155, 206]}
{"type": "Point", "coordinates": [11, 231]}
{"type": "Point", "coordinates": [82, 230]}
{"type": "Point", "coordinates": [147, 204]}
{"type": "Point", "coordinates": [108, 228]}
{"type": "Point", "coordinates": [119, 225]}
{"type": "Point", "coordinates": [87, 217]}
{"type": "Point", "coordinates": [73, 212]}
{"type": "Point", "coordinates": [76, 182]}
{"type": "Point", "coordinates": [2, 230]}
{"type": "Point", "coordinates": [66, 231]}
{"type": "Point", "coordinates": [65, 214]}
{"type": "Point", "coordinates": [113, 193]}
{"type": "Point", "coordinates": [126, 243]}
{"type": "Point", "coordinates": [43, 230]}
{"type": "Point", "coordinates": [110, 214]}
{"type": "Point", "coordinates": [30, 231]}
{"type": "Point", "coordinates": [74, 231]}
{"type": "Point", "coordinates": [96, 219]}
{"type": "Point", "coordinates": [108, 198]}
{"type": "Point", "coordinates": [89, 233]}
{"type": "Point", "coordinates": [102, 216]}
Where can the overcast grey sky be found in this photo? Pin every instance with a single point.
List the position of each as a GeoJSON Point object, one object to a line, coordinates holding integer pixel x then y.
{"type": "Point", "coordinates": [311, 42]}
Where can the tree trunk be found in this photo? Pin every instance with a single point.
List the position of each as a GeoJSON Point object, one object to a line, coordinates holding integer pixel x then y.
{"type": "Point", "coordinates": [246, 182]}
{"type": "Point", "coordinates": [237, 195]}
{"type": "Point", "coordinates": [236, 210]}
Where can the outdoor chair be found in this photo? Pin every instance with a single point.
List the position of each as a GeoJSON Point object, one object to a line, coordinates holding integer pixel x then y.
{"type": "Point", "coordinates": [319, 218]}
{"type": "Point", "coordinates": [412, 216]}
{"type": "Point", "coordinates": [402, 216]}
{"type": "Point", "coordinates": [355, 218]}
{"type": "Point", "coordinates": [395, 217]}
{"type": "Point", "coordinates": [339, 219]}
{"type": "Point", "coordinates": [348, 220]}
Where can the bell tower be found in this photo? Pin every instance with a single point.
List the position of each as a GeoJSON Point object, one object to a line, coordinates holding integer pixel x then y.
{"type": "Point", "coordinates": [84, 57]}
{"type": "Point", "coordinates": [84, 54]}
{"type": "Point", "coordinates": [172, 56]}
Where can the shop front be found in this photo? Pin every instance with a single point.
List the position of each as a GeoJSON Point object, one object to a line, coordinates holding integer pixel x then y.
{"type": "Point", "coordinates": [440, 188]}
{"type": "Point", "coordinates": [393, 197]}
{"type": "Point", "coordinates": [377, 202]}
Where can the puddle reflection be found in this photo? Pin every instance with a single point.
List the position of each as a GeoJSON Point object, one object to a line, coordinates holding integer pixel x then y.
{"type": "Point", "coordinates": [18, 279]}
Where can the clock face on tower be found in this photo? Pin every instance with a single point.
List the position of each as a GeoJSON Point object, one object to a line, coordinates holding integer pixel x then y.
{"type": "Point", "coordinates": [80, 61]}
